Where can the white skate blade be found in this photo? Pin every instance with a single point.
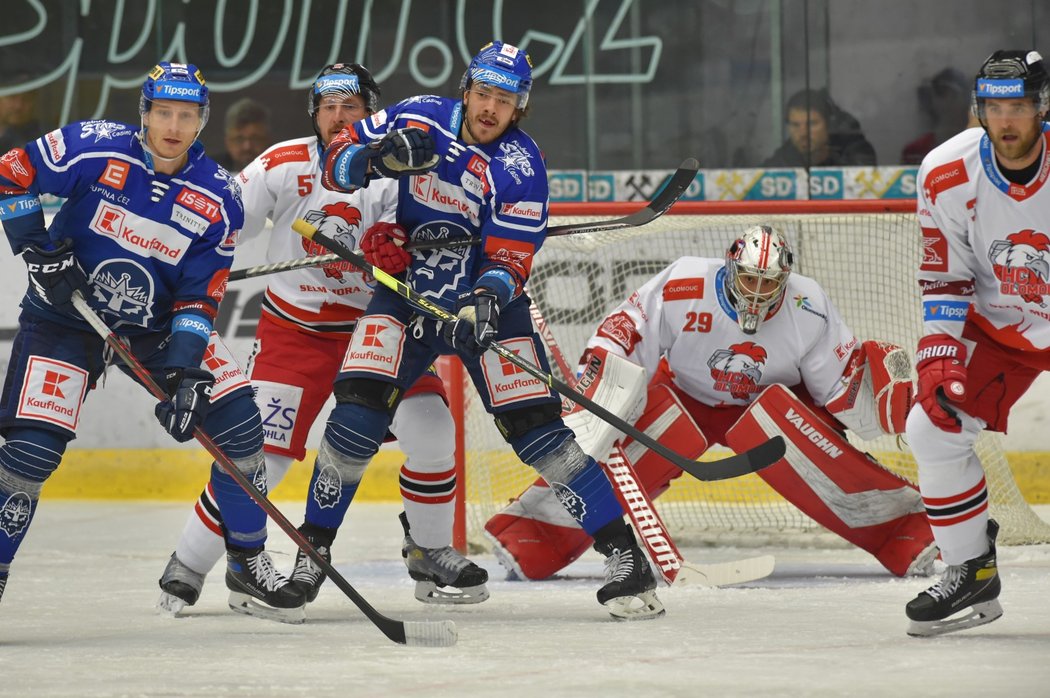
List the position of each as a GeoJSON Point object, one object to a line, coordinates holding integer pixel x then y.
{"type": "Point", "coordinates": [430, 592]}
{"type": "Point", "coordinates": [169, 605]}
{"type": "Point", "coordinates": [644, 606]}
{"type": "Point", "coordinates": [725, 573]}
{"type": "Point", "coordinates": [249, 606]}
{"type": "Point", "coordinates": [980, 614]}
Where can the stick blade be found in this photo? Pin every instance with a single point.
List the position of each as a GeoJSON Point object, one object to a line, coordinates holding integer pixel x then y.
{"type": "Point", "coordinates": [718, 574]}
{"type": "Point", "coordinates": [441, 633]}
{"type": "Point", "coordinates": [750, 461]}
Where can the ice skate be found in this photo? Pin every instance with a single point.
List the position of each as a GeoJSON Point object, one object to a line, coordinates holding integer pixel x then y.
{"type": "Point", "coordinates": [307, 574]}
{"type": "Point", "coordinates": [974, 585]}
{"type": "Point", "coordinates": [179, 587]}
{"type": "Point", "coordinates": [258, 589]}
{"type": "Point", "coordinates": [629, 591]}
{"type": "Point", "coordinates": [3, 583]}
{"type": "Point", "coordinates": [443, 575]}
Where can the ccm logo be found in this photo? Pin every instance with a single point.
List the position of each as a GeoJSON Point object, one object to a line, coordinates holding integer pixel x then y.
{"type": "Point", "coordinates": [200, 203]}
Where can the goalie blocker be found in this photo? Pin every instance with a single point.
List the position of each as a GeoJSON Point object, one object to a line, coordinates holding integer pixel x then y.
{"type": "Point", "coordinates": [828, 479]}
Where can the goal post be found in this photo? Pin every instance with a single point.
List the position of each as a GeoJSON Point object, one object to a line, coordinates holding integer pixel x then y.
{"type": "Point", "coordinates": [864, 253]}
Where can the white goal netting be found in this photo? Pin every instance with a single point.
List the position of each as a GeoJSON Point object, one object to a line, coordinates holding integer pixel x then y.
{"type": "Point", "coordinates": [867, 263]}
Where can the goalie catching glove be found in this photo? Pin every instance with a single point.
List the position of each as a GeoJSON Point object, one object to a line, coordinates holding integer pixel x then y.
{"type": "Point", "coordinates": [877, 391]}
{"type": "Point", "coordinates": [184, 411]}
{"type": "Point", "coordinates": [400, 153]}
{"type": "Point", "coordinates": [941, 362]}
{"type": "Point", "coordinates": [383, 247]}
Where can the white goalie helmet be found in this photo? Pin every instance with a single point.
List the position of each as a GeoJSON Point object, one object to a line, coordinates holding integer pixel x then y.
{"type": "Point", "coordinates": [757, 267]}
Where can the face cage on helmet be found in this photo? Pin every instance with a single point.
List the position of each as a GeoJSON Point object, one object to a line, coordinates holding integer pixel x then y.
{"type": "Point", "coordinates": [752, 307]}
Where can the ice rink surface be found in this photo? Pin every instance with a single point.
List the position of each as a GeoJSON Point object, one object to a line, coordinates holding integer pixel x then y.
{"type": "Point", "coordinates": [77, 619]}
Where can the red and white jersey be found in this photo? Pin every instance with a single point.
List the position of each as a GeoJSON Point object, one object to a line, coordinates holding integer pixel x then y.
{"type": "Point", "coordinates": [683, 314]}
{"type": "Point", "coordinates": [986, 244]}
{"type": "Point", "coordinates": [283, 184]}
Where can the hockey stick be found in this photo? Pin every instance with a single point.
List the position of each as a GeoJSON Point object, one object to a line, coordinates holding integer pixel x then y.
{"type": "Point", "coordinates": [761, 456]}
{"type": "Point", "coordinates": [417, 633]}
{"type": "Point", "coordinates": [676, 186]}
{"type": "Point", "coordinates": [663, 552]}
{"type": "Point", "coordinates": [264, 269]}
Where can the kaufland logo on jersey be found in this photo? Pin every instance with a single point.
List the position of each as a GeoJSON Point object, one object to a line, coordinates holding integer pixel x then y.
{"type": "Point", "coordinates": [523, 209]}
{"type": "Point", "coordinates": [139, 235]}
{"type": "Point", "coordinates": [1000, 89]}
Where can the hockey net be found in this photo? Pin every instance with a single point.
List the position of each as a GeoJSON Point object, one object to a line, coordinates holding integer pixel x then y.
{"type": "Point", "coordinates": [864, 253]}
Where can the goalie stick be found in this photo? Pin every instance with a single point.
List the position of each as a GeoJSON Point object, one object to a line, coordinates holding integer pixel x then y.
{"type": "Point", "coordinates": [415, 633]}
{"type": "Point", "coordinates": [676, 186]}
{"type": "Point", "coordinates": [759, 457]}
{"type": "Point", "coordinates": [666, 558]}
{"type": "Point", "coordinates": [665, 199]}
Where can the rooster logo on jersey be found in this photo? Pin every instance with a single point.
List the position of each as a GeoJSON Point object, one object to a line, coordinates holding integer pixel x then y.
{"type": "Point", "coordinates": [738, 369]}
{"type": "Point", "coordinates": [1021, 262]}
{"type": "Point", "coordinates": [338, 221]}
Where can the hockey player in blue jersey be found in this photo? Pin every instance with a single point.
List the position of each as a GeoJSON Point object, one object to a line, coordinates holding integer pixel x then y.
{"type": "Point", "coordinates": [146, 234]}
{"type": "Point", "coordinates": [467, 170]}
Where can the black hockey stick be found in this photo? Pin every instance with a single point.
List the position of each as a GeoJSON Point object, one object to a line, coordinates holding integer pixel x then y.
{"type": "Point", "coordinates": [264, 269]}
{"type": "Point", "coordinates": [665, 199]}
{"type": "Point", "coordinates": [418, 633]}
{"type": "Point", "coordinates": [761, 456]}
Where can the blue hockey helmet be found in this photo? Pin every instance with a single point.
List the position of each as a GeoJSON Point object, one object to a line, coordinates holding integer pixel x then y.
{"type": "Point", "coordinates": [501, 65]}
{"type": "Point", "coordinates": [181, 82]}
{"type": "Point", "coordinates": [1012, 74]}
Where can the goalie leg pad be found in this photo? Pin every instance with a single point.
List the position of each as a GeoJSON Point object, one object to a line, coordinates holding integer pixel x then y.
{"type": "Point", "coordinates": [841, 488]}
{"type": "Point", "coordinates": [535, 537]}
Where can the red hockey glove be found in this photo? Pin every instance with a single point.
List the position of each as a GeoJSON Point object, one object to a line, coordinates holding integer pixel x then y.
{"type": "Point", "coordinates": [383, 245]}
{"type": "Point", "coordinates": [941, 362]}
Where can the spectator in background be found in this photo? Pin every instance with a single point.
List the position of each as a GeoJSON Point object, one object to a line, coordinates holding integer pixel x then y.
{"type": "Point", "coordinates": [247, 134]}
{"type": "Point", "coordinates": [18, 121]}
{"type": "Point", "coordinates": [821, 134]}
{"type": "Point", "coordinates": [945, 103]}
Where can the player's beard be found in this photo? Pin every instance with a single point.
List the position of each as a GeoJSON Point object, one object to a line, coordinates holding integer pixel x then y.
{"type": "Point", "coordinates": [1020, 148]}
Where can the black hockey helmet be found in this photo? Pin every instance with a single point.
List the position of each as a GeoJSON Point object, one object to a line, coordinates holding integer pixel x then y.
{"type": "Point", "coordinates": [343, 79]}
{"type": "Point", "coordinates": [1012, 74]}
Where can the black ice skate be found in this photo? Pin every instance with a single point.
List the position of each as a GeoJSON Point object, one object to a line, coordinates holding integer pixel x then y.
{"type": "Point", "coordinates": [258, 589]}
{"type": "Point", "coordinates": [308, 575]}
{"type": "Point", "coordinates": [629, 591]}
{"type": "Point", "coordinates": [179, 587]}
{"type": "Point", "coordinates": [974, 584]}
{"type": "Point", "coordinates": [443, 575]}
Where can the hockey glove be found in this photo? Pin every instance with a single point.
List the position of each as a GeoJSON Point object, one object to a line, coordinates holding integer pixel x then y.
{"type": "Point", "coordinates": [55, 274]}
{"type": "Point", "coordinates": [400, 153]}
{"type": "Point", "coordinates": [184, 411]}
{"type": "Point", "coordinates": [383, 245]}
{"type": "Point", "coordinates": [477, 322]}
{"type": "Point", "coordinates": [941, 363]}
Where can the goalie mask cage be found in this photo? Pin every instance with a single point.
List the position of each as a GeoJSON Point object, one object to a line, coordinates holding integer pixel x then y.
{"type": "Point", "coordinates": [864, 253]}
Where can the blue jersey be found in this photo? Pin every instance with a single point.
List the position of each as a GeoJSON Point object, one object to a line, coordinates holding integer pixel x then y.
{"type": "Point", "coordinates": [497, 191]}
{"type": "Point", "coordinates": [157, 248]}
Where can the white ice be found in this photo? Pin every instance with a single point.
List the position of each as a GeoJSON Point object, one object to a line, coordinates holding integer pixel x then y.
{"type": "Point", "coordinates": [77, 619]}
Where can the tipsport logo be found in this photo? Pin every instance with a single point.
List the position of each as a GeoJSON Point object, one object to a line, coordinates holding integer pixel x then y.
{"type": "Point", "coordinates": [1000, 89]}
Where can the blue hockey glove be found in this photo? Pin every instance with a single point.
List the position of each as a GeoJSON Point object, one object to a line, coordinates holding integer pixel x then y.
{"type": "Point", "coordinates": [400, 153]}
{"type": "Point", "coordinates": [190, 391]}
{"type": "Point", "coordinates": [55, 274]}
{"type": "Point", "coordinates": [477, 323]}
